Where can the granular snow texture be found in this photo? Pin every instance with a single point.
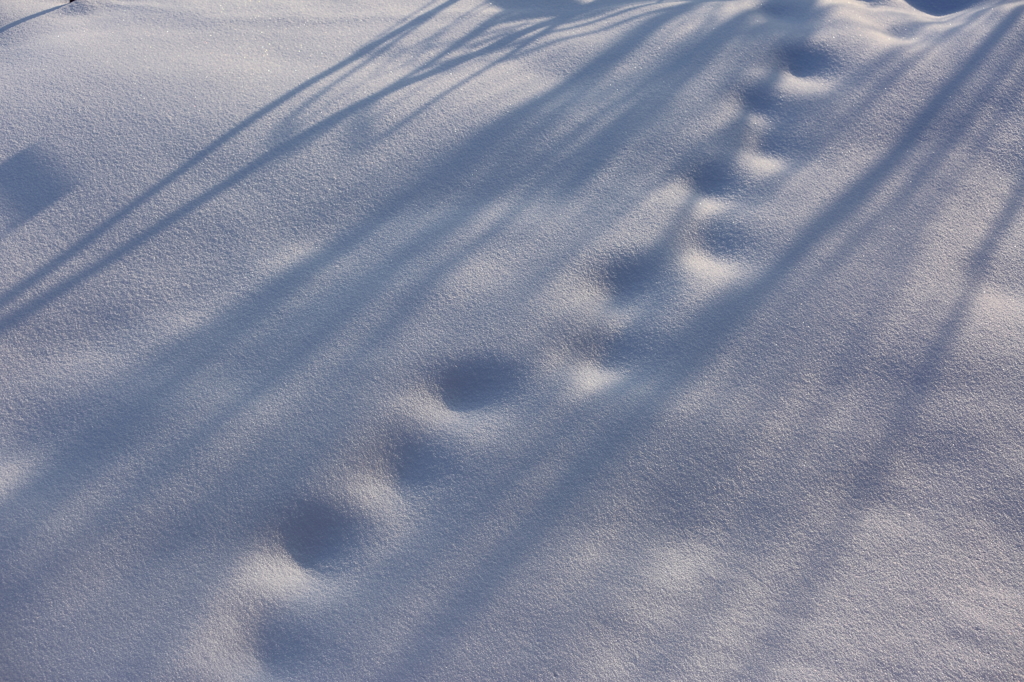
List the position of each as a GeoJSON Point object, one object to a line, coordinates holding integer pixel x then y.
{"type": "Point", "coordinates": [511, 340]}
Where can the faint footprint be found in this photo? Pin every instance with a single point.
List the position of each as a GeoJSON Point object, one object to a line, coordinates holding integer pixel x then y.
{"type": "Point", "coordinates": [716, 177]}
{"type": "Point", "coordinates": [281, 645]}
{"type": "Point", "coordinates": [592, 366]}
{"type": "Point", "coordinates": [420, 462]}
{"type": "Point", "coordinates": [727, 239]}
{"type": "Point", "coordinates": [808, 60]}
{"type": "Point", "coordinates": [319, 536]}
{"type": "Point", "coordinates": [747, 172]}
{"type": "Point", "coordinates": [629, 275]}
{"type": "Point", "coordinates": [761, 98]}
{"type": "Point", "coordinates": [290, 644]}
{"type": "Point", "coordinates": [475, 383]}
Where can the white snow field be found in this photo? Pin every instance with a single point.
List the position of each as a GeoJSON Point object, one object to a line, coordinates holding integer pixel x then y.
{"type": "Point", "coordinates": [511, 340]}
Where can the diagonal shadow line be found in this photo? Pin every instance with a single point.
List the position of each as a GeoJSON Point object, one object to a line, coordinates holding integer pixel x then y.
{"type": "Point", "coordinates": [717, 322]}
{"type": "Point", "coordinates": [924, 375]}
{"type": "Point", "coordinates": [28, 18]}
{"type": "Point", "coordinates": [367, 50]}
{"type": "Point", "coordinates": [541, 28]}
{"type": "Point", "coordinates": [198, 355]}
{"type": "Point", "coordinates": [294, 278]}
{"type": "Point", "coordinates": [282, 149]}
{"type": "Point", "coordinates": [289, 283]}
{"type": "Point", "coordinates": [519, 43]}
{"type": "Point", "coordinates": [860, 193]}
{"type": "Point", "coordinates": [309, 102]}
{"type": "Point", "coordinates": [302, 139]}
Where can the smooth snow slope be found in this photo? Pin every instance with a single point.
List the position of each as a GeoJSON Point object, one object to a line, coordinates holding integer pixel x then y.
{"type": "Point", "coordinates": [511, 340]}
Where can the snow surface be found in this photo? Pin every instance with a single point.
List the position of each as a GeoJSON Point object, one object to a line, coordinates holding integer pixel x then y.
{"type": "Point", "coordinates": [511, 340]}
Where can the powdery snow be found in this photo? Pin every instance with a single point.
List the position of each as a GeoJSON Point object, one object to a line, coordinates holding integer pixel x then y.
{"type": "Point", "coordinates": [511, 340]}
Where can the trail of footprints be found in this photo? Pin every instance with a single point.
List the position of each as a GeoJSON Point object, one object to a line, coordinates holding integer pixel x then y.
{"type": "Point", "coordinates": [327, 538]}
{"type": "Point", "coordinates": [323, 537]}
{"type": "Point", "coordinates": [722, 244]}
{"type": "Point", "coordinates": [319, 535]}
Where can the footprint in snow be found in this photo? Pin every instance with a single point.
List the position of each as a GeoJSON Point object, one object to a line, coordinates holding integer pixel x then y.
{"type": "Point", "coordinates": [477, 383]}
{"type": "Point", "coordinates": [629, 275]}
{"type": "Point", "coordinates": [319, 536]}
{"type": "Point", "coordinates": [808, 60]}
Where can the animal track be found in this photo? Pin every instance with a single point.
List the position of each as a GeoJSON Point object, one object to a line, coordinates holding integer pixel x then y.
{"type": "Point", "coordinates": [716, 177]}
{"type": "Point", "coordinates": [593, 365]}
{"type": "Point", "coordinates": [281, 645]}
{"type": "Point", "coordinates": [744, 173]}
{"type": "Point", "coordinates": [318, 535]}
{"type": "Point", "coordinates": [629, 275]}
{"type": "Point", "coordinates": [808, 60]}
{"type": "Point", "coordinates": [418, 462]}
{"type": "Point", "coordinates": [761, 98]}
{"type": "Point", "coordinates": [290, 643]}
{"type": "Point", "coordinates": [727, 239]}
{"type": "Point", "coordinates": [476, 383]}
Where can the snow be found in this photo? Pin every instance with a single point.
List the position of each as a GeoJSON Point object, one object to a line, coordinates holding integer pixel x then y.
{"type": "Point", "coordinates": [511, 339]}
